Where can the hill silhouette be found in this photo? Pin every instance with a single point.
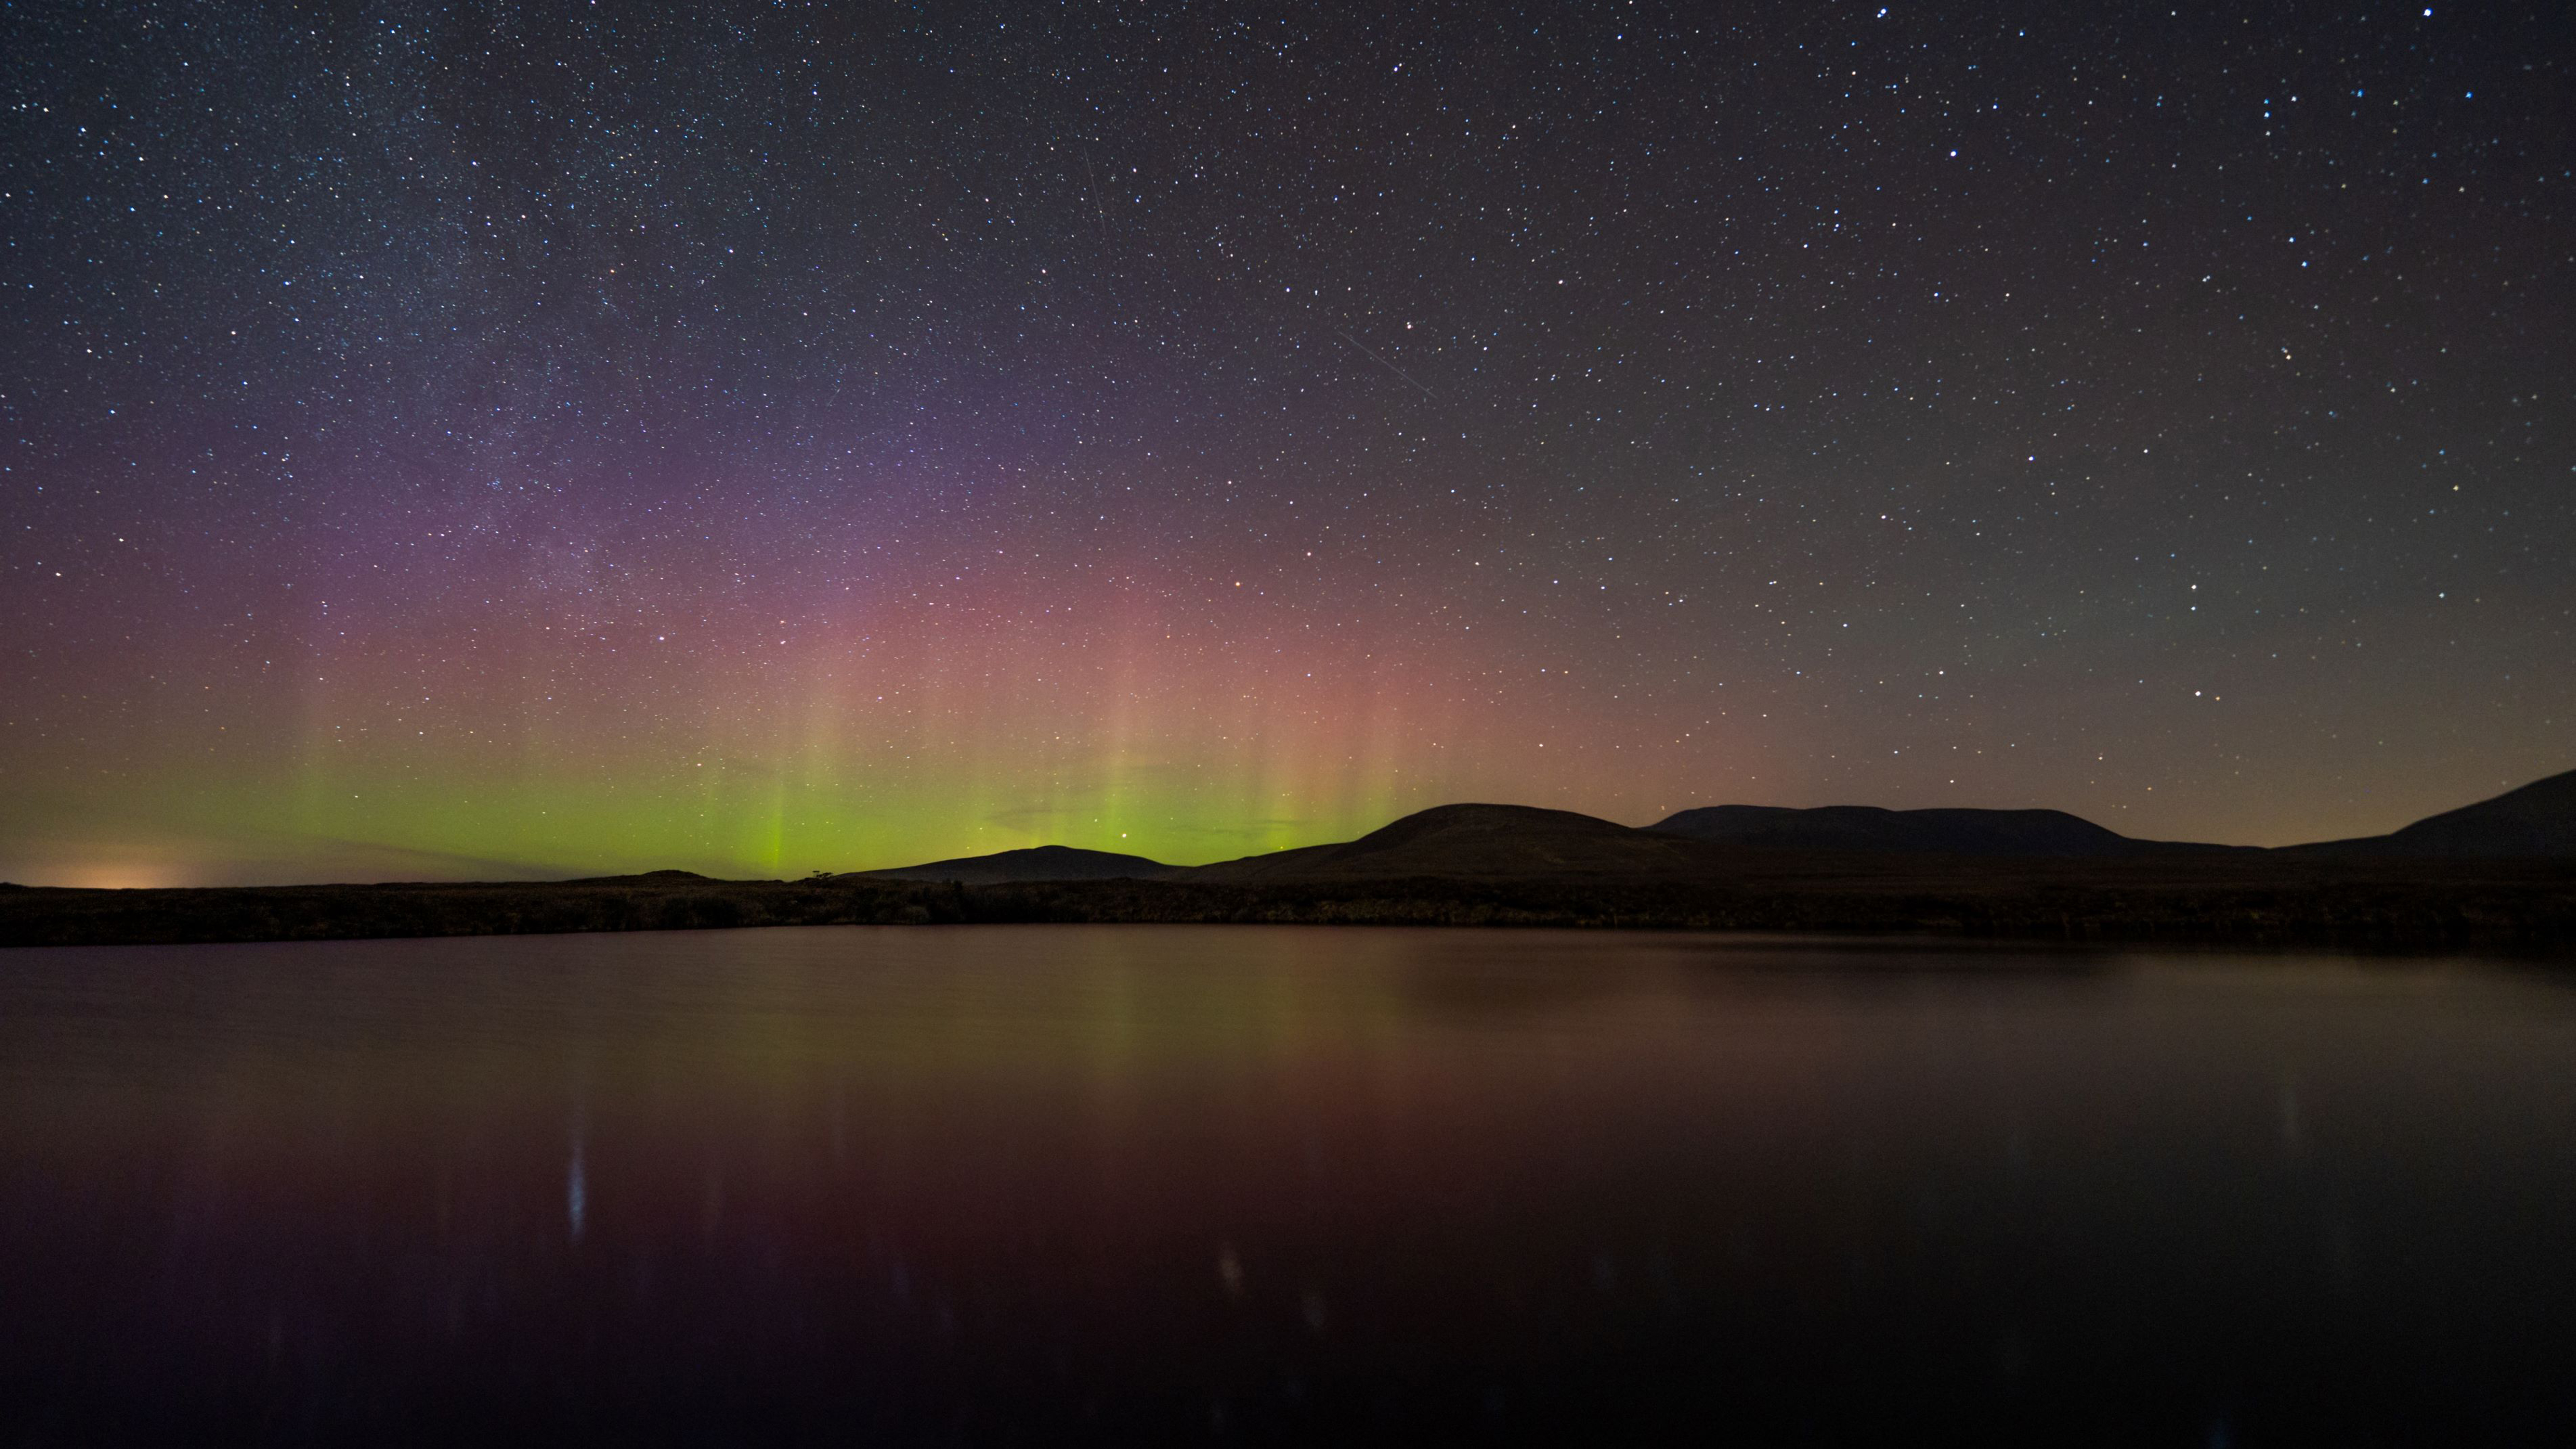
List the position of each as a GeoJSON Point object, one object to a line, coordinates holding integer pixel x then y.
{"type": "Point", "coordinates": [2050, 833]}
{"type": "Point", "coordinates": [1522, 842]}
{"type": "Point", "coordinates": [2501, 873]}
{"type": "Point", "coordinates": [2537, 820]}
{"type": "Point", "coordinates": [1038, 863]}
{"type": "Point", "coordinates": [1477, 841]}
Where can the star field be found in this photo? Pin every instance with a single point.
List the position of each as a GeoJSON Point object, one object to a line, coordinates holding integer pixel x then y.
{"type": "Point", "coordinates": [770, 438]}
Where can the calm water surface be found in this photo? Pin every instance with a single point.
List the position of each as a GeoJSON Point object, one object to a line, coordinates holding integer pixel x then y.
{"type": "Point", "coordinates": [1035, 1184]}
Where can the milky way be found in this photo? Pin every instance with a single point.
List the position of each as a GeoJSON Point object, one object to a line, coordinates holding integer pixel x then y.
{"type": "Point", "coordinates": [490, 441]}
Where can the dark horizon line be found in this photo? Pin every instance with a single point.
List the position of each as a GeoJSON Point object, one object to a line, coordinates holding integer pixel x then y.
{"type": "Point", "coordinates": [1449, 805]}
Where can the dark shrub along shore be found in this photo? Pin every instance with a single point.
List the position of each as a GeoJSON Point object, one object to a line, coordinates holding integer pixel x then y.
{"type": "Point", "coordinates": [2515, 906]}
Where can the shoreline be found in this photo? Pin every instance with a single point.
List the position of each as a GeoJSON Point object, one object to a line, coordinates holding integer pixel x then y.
{"type": "Point", "coordinates": [2524, 908]}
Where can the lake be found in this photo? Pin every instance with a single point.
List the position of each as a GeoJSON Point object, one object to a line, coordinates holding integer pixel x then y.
{"type": "Point", "coordinates": [1038, 1184]}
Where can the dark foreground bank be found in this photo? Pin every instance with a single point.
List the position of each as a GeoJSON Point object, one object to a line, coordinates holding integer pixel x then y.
{"type": "Point", "coordinates": [2514, 906]}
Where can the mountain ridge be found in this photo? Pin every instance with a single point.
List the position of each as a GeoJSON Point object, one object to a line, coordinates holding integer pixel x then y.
{"type": "Point", "coordinates": [1477, 840]}
{"type": "Point", "coordinates": [1471, 840]}
{"type": "Point", "coordinates": [1033, 864]}
{"type": "Point", "coordinates": [2500, 873]}
{"type": "Point", "coordinates": [2538, 819]}
{"type": "Point", "coordinates": [2053, 834]}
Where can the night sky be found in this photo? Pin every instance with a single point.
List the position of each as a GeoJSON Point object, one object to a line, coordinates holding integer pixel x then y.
{"type": "Point", "coordinates": [491, 441]}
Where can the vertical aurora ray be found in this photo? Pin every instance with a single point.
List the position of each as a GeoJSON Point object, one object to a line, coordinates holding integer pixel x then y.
{"type": "Point", "coordinates": [1101, 716]}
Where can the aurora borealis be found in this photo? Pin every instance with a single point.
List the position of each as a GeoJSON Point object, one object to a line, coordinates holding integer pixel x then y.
{"type": "Point", "coordinates": [488, 441]}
